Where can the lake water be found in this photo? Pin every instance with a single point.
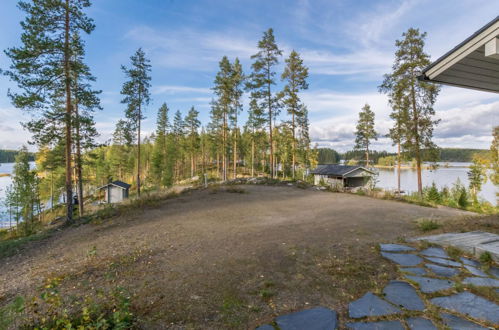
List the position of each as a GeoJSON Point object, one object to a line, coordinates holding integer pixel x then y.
{"type": "Point", "coordinates": [442, 176]}
{"type": "Point", "coordinates": [387, 179]}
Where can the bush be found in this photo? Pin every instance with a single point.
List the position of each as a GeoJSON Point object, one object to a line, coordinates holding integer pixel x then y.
{"type": "Point", "coordinates": [433, 195]}
{"type": "Point", "coordinates": [427, 225]}
{"type": "Point", "coordinates": [462, 201]}
{"type": "Point", "coordinates": [51, 310]}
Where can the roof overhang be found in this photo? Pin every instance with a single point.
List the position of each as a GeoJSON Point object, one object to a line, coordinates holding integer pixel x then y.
{"type": "Point", "coordinates": [474, 63]}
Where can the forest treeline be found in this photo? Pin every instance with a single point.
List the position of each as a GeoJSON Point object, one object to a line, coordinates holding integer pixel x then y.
{"type": "Point", "coordinates": [9, 156]}
{"type": "Point", "coordinates": [331, 156]}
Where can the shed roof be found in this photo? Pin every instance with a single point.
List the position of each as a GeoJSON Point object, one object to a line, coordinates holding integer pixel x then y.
{"type": "Point", "coordinates": [117, 183]}
{"type": "Point", "coordinates": [474, 63]}
{"type": "Point", "coordinates": [338, 170]}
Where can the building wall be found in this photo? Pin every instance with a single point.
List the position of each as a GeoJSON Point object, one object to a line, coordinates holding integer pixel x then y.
{"type": "Point", "coordinates": [333, 182]}
{"type": "Point", "coordinates": [116, 194]}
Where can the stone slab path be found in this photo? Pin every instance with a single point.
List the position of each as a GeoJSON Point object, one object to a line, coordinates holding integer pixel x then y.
{"type": "Point", "coordinates": [433, 292]}
{"type": "Point", "coordinates": [474, 242]}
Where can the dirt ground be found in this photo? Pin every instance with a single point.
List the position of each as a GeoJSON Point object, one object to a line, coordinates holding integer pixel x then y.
{"type": "Point", "coordinates": [230, 257]}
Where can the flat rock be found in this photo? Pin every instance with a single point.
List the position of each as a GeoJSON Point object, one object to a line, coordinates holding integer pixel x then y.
{"type": "Point", "coordinates": [403, 259]}
{"type": "Point", "coordinates": [395, 248]}
{"type": "Point", "coordinates": [494, 271]}
{"type": "Point", "coordinates": [442, 270]}
{"type": "Point", "coordinates": [265, 327]}
{"type": "Point", "coordinates": [456, 323]}
{"type": "Point", "coordinates": [382, 325]}
{"type": "Point", "coordinates": [370, 305]}
{"type": "Point", "coordinates": [319, 318]}
{"type": "Point", "coordinates": [475, 271]}
{"type": "Point", "coordinates": [429, 285]}
{"type": "Point", "coordinates": [480, 281]}
{"type": "Point", "coordinates": [470, 262]}
{"type": "Point", "coordinates": [444, 262]}
{"type": "Point", "coordinates": [414, 270]}
{"type": "Point", "coordinates": [419, 323]}
{"type": "Point", "coordinates": [403, 294]}
{"type": "Point", "coordinates": [469, 304]}
{"type": "Point", "coordinates": [434, 252]}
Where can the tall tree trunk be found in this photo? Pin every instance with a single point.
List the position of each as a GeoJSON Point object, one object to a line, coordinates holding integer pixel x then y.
{"type": "Point", "coordinates": [293, 162]}
{"type": "Point", "coordinates": [67, 74]}
{"type": "Point", "coordinates": [224, 148]}
{"type": "Point", "coordinates": [398, 168]}
{"type": "Point", "coordinates": [416, 141]}
{"type": "Point", "coordinates": [271, 160]}
{"type": "Point", "coordinates": [79, 171]}
{"type": "Point", "coordinates": [138, 152]}
{"type": "Point", "coordinates": [253, 156]}
{"type": "Point", "coordinates": [367, 155]}
{"type": "Point", "coordinates": [235, 153]}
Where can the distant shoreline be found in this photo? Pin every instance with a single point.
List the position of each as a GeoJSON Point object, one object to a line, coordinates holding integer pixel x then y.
{"type": "Point", "coordinates": [4, 174]}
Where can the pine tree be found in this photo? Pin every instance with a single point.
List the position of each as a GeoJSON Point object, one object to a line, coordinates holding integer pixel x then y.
{"type": "Point", "coordinates": [192, 124]}
{"type": "Point", "coordinates": [295, 74]}
{"type": "Point", "coordinates": [178, 132]}
{"type": "Point", "coordinates": [237, 92]}
{"type": "Point", "coordinates": [160, 156]}
{"type": "Point", "coordinates": [224, 89]}
{"type": "Point", "coordinates": [477, 175]}
{"type": "Point", "coordinates": [136, 96]}
{"type": "Point", "coordinates": [404, 88]}
{"type": "Point", "coordinates": [23, 197]}
{"type": "Point", "coordinates": [261, 81]}
{"type": "Point", "coordinates": [85, 102]}
{"type": "Point", "coordinates": [41, 66]}
{"type": "Point", "coordinates": [365, 130]}
{"type": "Point", "coordinates": [255, 123]}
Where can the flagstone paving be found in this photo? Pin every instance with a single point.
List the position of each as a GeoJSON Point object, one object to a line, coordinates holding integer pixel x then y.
{"type": "Point", "coordinates": [395, 248]}
{"type": "Point", "coordinates": [442, 270]}
{"type": "Point", "coordinates": [430, 285]}
{"type": "Point", "coordinates": [403, 294]}
{"type": "Point", "coordinates": [480, 281]}
{"type": "Point", "coordinates": [455, 322]}
{"type": "Point", "coordinates": [476, 271]}
{"type": "Point", "coordinates": [469, 304]}
{"type": "Point", "coordinates": [414, 270]}
{"type": "Point", "coordinates": [419, 323]}
{"type": "Point", "coordinates": [444, 262]}
{"type": "Point", "coordinates": [382, 325]}
{"type": "Point", "coordinates": [403, 259]}
{"type": "Point", "coordinates": [390, 309]}
{"type": "Point", "coordinates": [434, 252]}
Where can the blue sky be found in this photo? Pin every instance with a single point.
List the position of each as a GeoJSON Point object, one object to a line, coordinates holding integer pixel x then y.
{"type": "Point", "coordinates": [348, 46]}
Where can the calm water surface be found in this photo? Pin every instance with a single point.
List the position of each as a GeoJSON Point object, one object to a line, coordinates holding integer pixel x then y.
{"type": "Point", "coordinates": [442, 176]}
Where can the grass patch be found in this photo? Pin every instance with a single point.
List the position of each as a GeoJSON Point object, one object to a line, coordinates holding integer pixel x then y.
{"type": "Point", "coordinates": [454, 252]}
{"type": "Point", "coordinates": [486, 258]}
{"type": "Point", "coordinates": [426, 225]}
{"type": "Point", "coordinates": [12, 246]}
{"type": "Point", "coordinates": [236, 190]}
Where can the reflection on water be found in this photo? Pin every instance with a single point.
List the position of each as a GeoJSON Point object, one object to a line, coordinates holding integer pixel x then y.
{"type": "Point", "coordinates": [442, 176]}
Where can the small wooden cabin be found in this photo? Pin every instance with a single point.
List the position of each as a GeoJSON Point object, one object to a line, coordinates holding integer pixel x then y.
{"type": "Point", "coordinates": [342, 176]}
{"type": "Point", "coordinates": [116, 191]}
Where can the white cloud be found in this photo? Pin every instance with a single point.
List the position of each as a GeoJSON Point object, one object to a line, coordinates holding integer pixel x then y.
{"type": "Point", "coordinates": [12, 136]}
{"type": "Point", "coordinates": [467, 118]}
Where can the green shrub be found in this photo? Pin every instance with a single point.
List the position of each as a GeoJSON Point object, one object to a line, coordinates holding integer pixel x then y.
{"type": "Point", "coordinates": [433, 195]}
{"type": "Point", "coordinates": [463, 198]}
{"type": "Point", "coordinates": [428, 224]}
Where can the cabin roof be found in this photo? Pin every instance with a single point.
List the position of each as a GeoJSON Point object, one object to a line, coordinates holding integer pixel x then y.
{"type": "Point", "coordinates": [117, 183]}
{"type": "Point", "coordinates": [474, 63]}
{"type": "Point", "coordinates": [338, 170]}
